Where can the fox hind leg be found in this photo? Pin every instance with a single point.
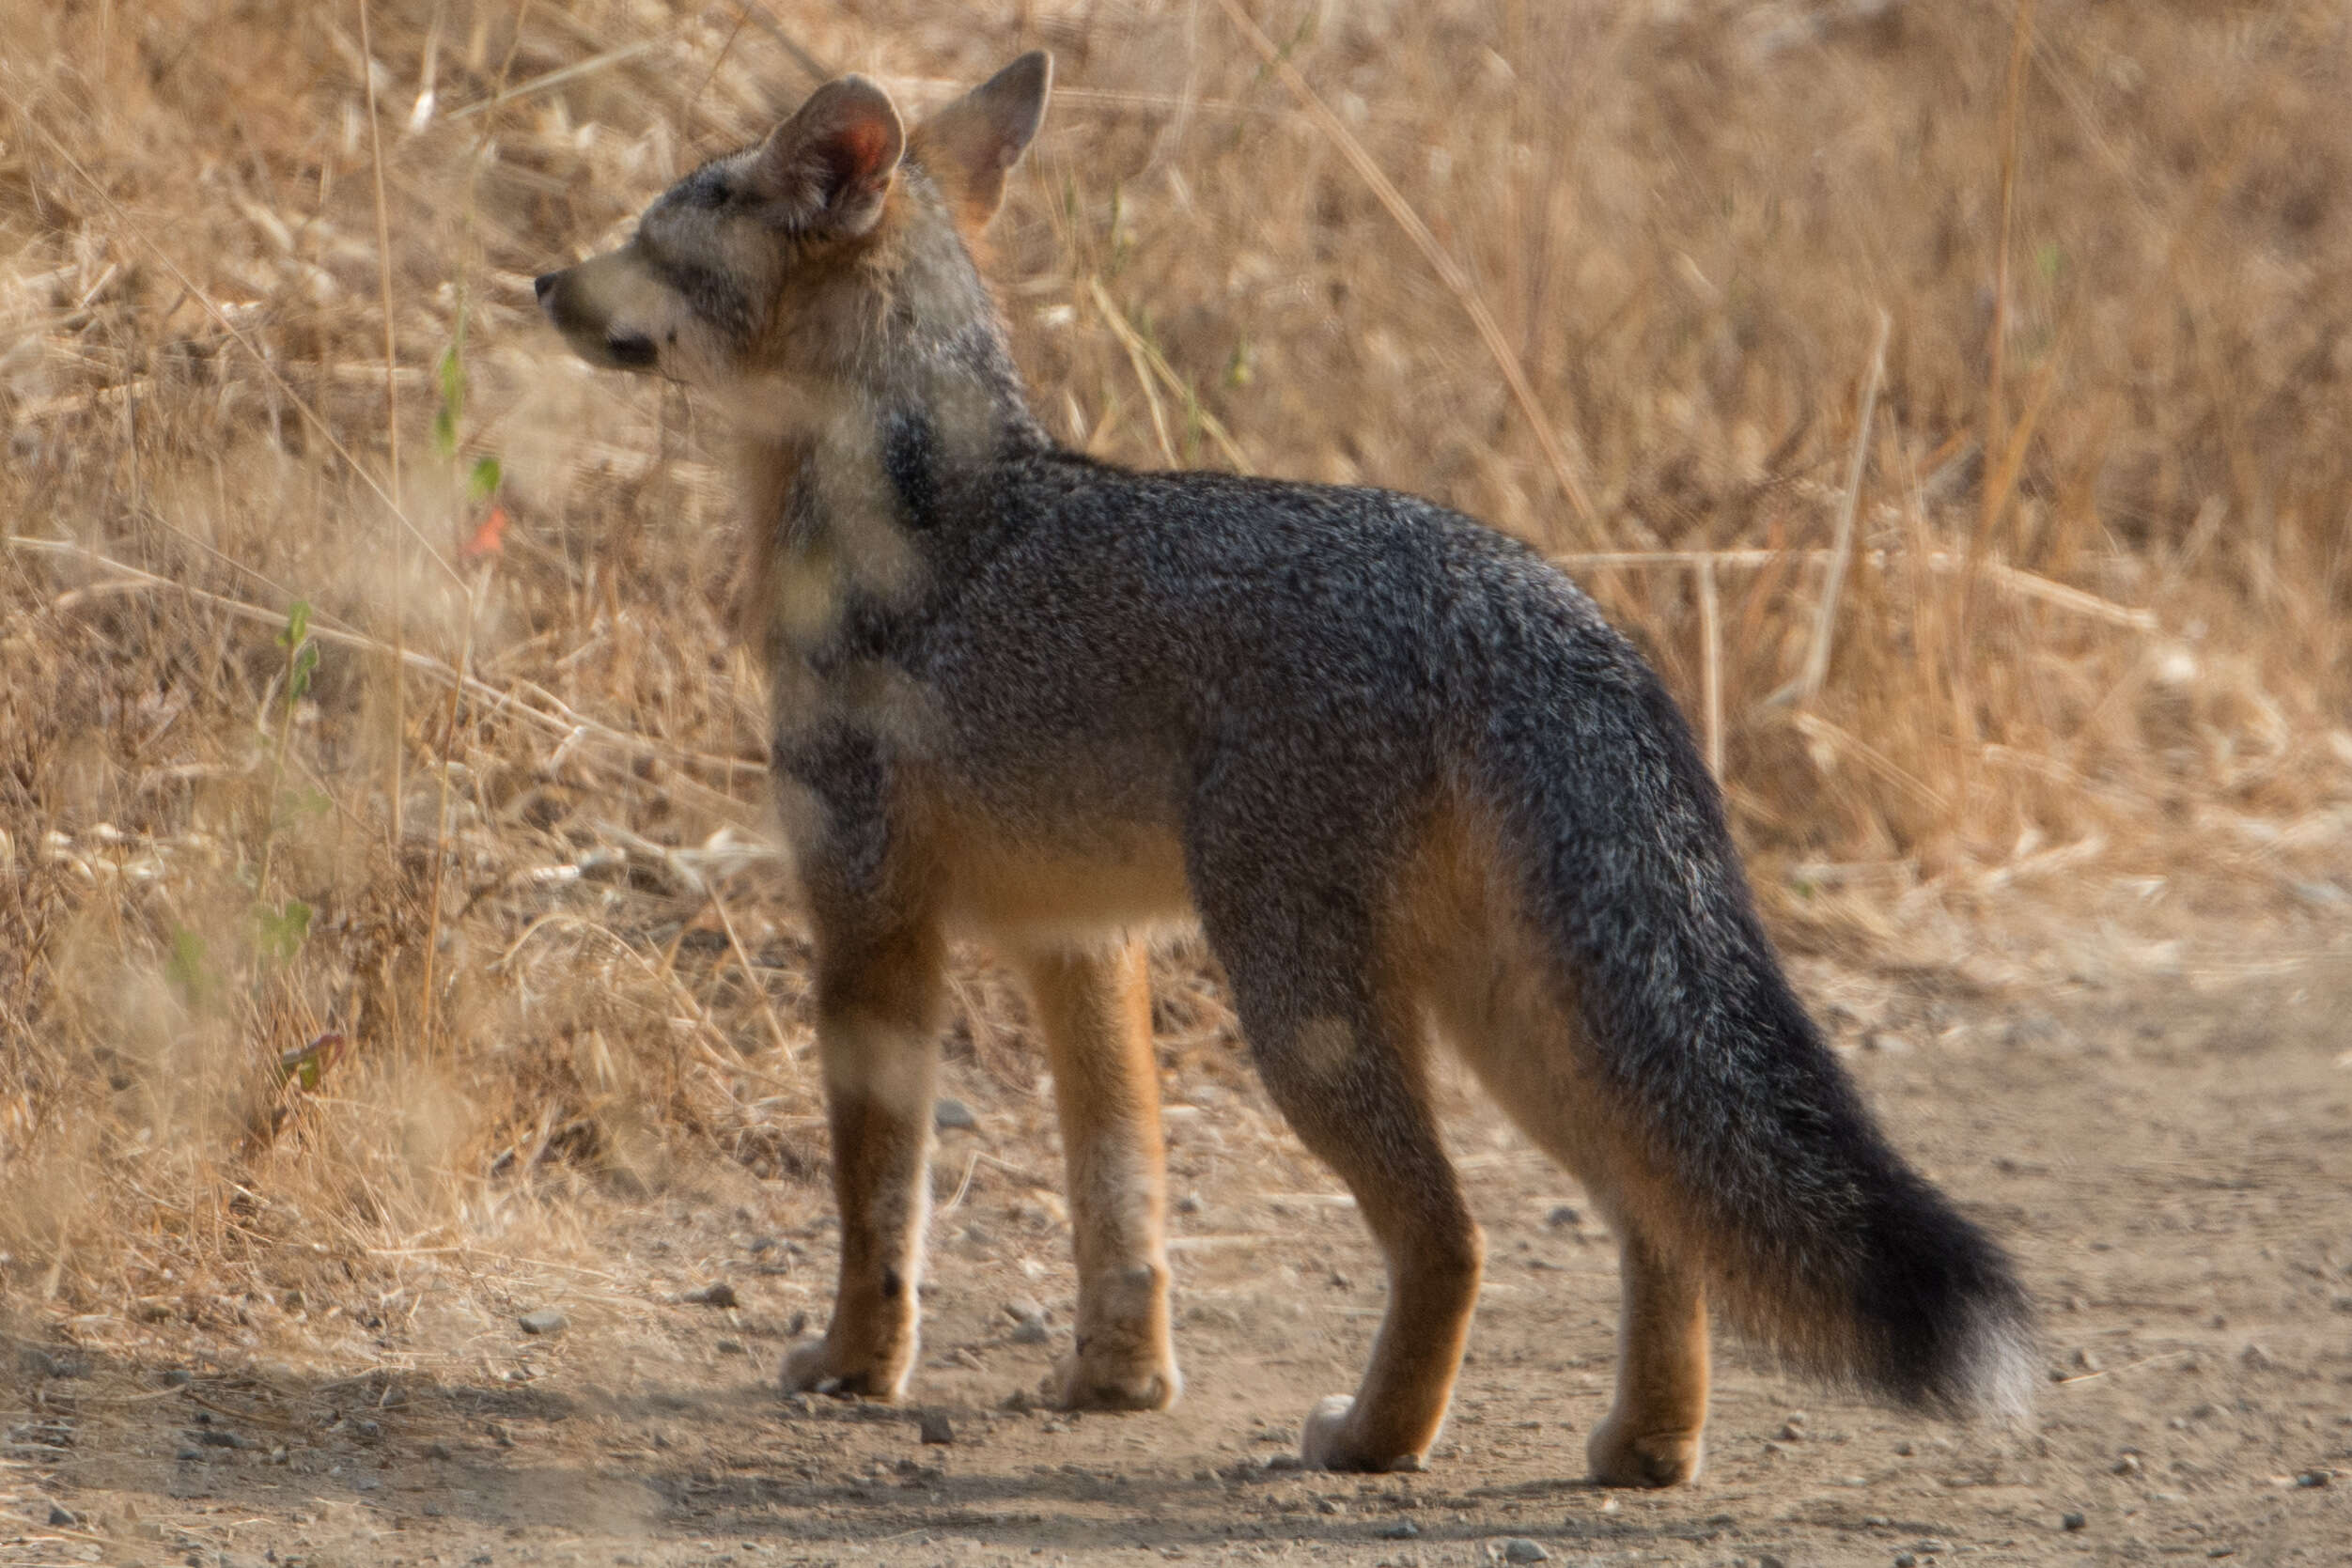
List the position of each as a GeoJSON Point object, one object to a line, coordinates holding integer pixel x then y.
{"type": "Point", "coordinates": [1521, 1039]}
{"type": "Point", "coordinates": [877, 1001]}
{"type": "Point", "coordinates": [1352, 1091]}
{"type": "Point", "coordinates": [1094, 1007]}
{"type": "Point", "coordinates": [1653, 1435]}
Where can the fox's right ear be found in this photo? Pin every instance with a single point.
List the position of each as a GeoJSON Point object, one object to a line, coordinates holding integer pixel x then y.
{"type": "Point", "coordinates": [969, 146]}
{"type": "Point", "coordinates": [829, 166]}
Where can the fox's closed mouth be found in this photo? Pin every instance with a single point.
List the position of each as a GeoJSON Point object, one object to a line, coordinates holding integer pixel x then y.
{"type": "Point", "coordinates": [630, 350]}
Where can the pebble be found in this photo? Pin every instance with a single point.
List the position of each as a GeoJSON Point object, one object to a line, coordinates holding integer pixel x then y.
{"type": "Point", "coordinates": [953, 1116]}
{"type": "Point", "coordinates": [1191, 1203]}
{"type": "Point", "coordinates": [1404, 1529]}
{"type": "Point", "coordinates": [2128, 1465]}
{"type": "Point", "coordinates": [2071, 1521]}
{"type": "Point", "coordinates": [1765, 1559]}
{"type": "Point", "coordinates": [547, 1320]}
{"type": "Point", "coordinates": [188, 1451]}
{"type": "Point", "coordinates": [935, 1427]}
{"type": "Point", "coordinates": [1905, 1559]}
{"type": "Point", "coordinates": [2314, 1478]}
{"type": "Point", "coordinates": [719, 1294]}
{"type": "Point", "coordinates": [1518, 1548]}
{"type": "Point", "coordinates": [1566, 1215]}
{"type": "Point", "coordinates": [62, 1519]}
{"type": "Point", "coordinates": [1029, 1327]}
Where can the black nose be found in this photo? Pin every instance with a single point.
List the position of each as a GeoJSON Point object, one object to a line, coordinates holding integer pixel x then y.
{"type": "Point", "coordinates": [541, 284]}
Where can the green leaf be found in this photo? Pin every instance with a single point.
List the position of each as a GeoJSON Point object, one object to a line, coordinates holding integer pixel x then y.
{"type": "Point", "coordinates": [451, 373]}
{"type": "Point", "coordinates": [297, 625]}
{"type": "Point", "coordinates": [298, 679]}
{"type": "Point", "coordinates": [186, 968]}
{"type": "Point", "coordinates": [445, 431]}
{"type": "Point", "coordinates": [481, 481]}
{"type": "Point", "coordinates": [282, 930]}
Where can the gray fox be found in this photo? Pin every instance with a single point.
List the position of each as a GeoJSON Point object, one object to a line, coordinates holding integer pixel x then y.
{"type": "Point", "coordinates": [1408, 781]}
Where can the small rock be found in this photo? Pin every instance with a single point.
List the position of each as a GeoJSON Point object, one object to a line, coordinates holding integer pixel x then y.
{"type": "Point", "coordinates": [1330, 1505]}
{"type": "Point", "coordinates": [2254, 1357]}
{"type": "Point", "coordinates": [1765, 1559]}
{"type": "Point", "coordinates": [178, 1377]}
{"type": "Point", "coordinates": [935, 1427]}
{"type": "Point", "coordinates": [60, 1518]}
{"type": "Point", "coordinates": [2071, 1521]}
{"type": "Point", "coordinates": [1931, 1545]}
{"type": "Point", "coordinates": [1029, 1320]}
{"type": "Point", "coordinates": [1518, 1548]}
{"type": "Point", "coordinates": [953, 1116]}
{"type": "Point", "coordinates": [2314, 1478]}
{"type": "Point", "coordinates": [1885, 1040]}
{"type": "Point", "coordinates": [1563, 1217]}
{"type": "Point", "coordinates": [1191, 1203]}
{"type": "Point", "coordinates": [1019, 1402]}
{"type": "Point", "coordinates": [2085, 1362]}
{"type": "Point", "coordinates": [719, 1294]}
{"type": "Point", "coordinates": [2128, 1465]}
{"type": "Point", "coordinates": [547, 1320]}
{"type": "Point", "coordinates": [1404, 1529]}
{"type": "Point", "coordinates": [1876, 1521]}
{"type": "Point", "coordinates": [729, 1347]}
{"type": "Point", "coordinates": [1905, 1559]}
{"type": "Point", "coordinates": [213, 1438]}
{"type": "Point", "coordinates": [1792, 1432]}
{"type": "Point", "coordinates": [187, 1451]}
{"type": "Point", "coordinates": [1285, 1462]}
{"type": "Point", "coordinates": [436, 1450]}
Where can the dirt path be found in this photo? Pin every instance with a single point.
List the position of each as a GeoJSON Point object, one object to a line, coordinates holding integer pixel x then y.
{"type": "Point", "coordinates": [2174, 1170]}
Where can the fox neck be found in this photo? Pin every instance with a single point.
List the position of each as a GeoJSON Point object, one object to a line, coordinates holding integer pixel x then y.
{"type": "Point", "coordinates": [866, 488]}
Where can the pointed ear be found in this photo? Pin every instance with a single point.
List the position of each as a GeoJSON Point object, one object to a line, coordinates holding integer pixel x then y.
{"type": "Point", "coordinates": [829, 166]}
{"type": "Point", "coordinates": [969, 146]}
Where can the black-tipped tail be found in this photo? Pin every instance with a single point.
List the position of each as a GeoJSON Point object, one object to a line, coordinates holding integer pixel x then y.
{"type": "Point", "coordinates": [1817, 1240]}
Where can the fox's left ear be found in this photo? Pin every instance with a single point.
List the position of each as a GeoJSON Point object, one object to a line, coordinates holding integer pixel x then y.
{"type": "Point", "coordinates": [828, 167]}
{"type": "Point", "coordinates": [969, 146]}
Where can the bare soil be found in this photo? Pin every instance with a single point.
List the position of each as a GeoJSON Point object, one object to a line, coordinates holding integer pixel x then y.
{"type": "Point", "coordinates": [2172, 1166]}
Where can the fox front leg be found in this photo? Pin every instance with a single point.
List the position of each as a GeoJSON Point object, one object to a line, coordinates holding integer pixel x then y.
{"type": "Point", "coordinates": [878, 1040]}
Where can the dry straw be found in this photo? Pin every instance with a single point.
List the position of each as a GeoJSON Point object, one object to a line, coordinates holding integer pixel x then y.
{"type": "Point", "coordinates": [320, 557]}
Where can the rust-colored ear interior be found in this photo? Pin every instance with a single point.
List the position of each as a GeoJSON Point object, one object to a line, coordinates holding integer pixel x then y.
{"type": "Point", "coordinates": [829, 165]}
{"type": "Point", "coordinates": [969, 147]}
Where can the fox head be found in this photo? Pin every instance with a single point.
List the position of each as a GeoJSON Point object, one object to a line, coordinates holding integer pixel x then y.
{"type": "Point", "coordinates": [825, 252]}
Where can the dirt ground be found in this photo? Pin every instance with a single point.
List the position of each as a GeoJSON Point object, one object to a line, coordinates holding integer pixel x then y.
{"type": "Point", "coordinates": [2171, 1160]}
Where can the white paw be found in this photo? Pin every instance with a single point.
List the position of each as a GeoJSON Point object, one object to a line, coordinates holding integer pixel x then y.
{"type": "Point", "coordinates": [808, 1369]}
{"type": "Point", "coordinates": [1320, 1445]}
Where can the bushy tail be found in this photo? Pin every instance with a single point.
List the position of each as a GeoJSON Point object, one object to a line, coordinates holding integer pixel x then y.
{"type": "Point", "coordinates": [1816, 1238]}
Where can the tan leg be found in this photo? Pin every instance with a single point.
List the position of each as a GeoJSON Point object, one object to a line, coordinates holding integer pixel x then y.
{"type": "Point", "coordinates": [1357, 1101]}
{"type": "Point", "coordinates": [1094, 1010]}
{"type": "Point", "coordinates": [1652, 1436]}
{"type": "Point", "coordinates": [878, 1040]}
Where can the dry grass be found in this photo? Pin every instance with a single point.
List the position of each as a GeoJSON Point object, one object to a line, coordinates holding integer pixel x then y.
{"type": "Point", "coordinates": [1616, 287]}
